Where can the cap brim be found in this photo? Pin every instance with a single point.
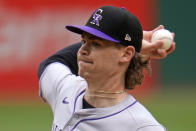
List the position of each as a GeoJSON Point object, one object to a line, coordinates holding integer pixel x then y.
{"type": "Point", "coordinates": [80, 29]}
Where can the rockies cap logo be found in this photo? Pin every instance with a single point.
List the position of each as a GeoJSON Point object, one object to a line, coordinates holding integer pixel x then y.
{"type": "Point", "coordinates": [97, 17]}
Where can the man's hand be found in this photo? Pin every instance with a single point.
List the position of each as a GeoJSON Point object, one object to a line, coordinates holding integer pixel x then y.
{"type": "Point", "coordinates": [153, 50]}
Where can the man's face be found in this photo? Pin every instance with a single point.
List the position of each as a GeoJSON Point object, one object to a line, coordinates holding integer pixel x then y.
{"type": "Point", "coordinates": [97, 57]}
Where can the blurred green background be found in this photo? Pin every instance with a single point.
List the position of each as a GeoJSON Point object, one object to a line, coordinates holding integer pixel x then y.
{"type": "Point", "coordinates": [179, 17]}
{"type": "Point", "coordinates": [174, 105]}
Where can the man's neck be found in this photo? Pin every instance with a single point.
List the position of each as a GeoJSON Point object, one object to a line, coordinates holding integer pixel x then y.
{"type": "Point", "coordinates": [101, 100]}
{"type": "Point", "coordinates": [105, 92]}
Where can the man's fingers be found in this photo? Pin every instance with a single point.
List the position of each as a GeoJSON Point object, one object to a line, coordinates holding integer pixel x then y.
{"type": "Point", "coordinates": [172, 48]}
{"type": "Point", "coordinates": [173, 34]}
{"type": "Point", "coordinates": [157, 45]}
{"type": "Point", "coordinates": [162, 53]}
{"type": "Point", "coordinates": [158, 28]}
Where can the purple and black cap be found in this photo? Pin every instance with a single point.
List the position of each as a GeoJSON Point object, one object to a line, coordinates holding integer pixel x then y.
{"type": "Point", "coordinates": [113, 24]}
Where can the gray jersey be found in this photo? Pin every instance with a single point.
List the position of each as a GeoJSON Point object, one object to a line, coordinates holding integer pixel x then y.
{"type": "Point", "coordinates": [65, 91]}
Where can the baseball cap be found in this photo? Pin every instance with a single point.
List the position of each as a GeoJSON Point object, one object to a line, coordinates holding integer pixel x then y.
{"type": "Point", "coordinates": [113, 24]}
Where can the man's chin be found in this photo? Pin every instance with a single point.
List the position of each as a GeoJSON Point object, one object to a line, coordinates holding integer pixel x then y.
{"type": "Point", "coordinates": [84, 74]}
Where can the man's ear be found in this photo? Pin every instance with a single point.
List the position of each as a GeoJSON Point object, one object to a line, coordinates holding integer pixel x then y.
{"type": "Point", "coordinates": [127, 54]}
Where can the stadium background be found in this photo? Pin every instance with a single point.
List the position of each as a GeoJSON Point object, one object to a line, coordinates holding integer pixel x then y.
{"type": "Point", "coordinates": [32, 30]}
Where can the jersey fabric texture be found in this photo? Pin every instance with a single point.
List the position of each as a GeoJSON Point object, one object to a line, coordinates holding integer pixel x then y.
{"type": "Point", "coordinates": [64, 91]}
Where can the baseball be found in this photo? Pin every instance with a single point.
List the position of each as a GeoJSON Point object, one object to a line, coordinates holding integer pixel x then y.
{"type": "Point", "coordinates": [164, 35]}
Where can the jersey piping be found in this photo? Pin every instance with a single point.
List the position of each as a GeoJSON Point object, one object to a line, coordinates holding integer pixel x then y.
{"type": "Point", "coordinates": [76, 100]}
{"type": "Point", "coordinates": [92, 119]}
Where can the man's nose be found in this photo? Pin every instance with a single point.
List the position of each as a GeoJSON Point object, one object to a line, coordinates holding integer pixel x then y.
{"type": "Point", "coordinates": [84, 49]}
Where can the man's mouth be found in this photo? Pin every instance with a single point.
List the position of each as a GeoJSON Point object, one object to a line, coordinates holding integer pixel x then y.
{"type": "Point", "coordinates": [84, 61]}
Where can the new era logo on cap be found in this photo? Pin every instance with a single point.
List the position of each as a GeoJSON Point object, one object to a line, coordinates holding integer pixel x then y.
{"type": "Point", "coordinates": [127, 37]}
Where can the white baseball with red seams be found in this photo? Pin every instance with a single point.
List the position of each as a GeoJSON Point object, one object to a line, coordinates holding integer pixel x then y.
{"type": "Point", "coordinates": [164, 35]}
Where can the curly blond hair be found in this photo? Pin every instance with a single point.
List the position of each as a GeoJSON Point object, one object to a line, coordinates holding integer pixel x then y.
{"type": "Point", "coordinates": [134, 74]}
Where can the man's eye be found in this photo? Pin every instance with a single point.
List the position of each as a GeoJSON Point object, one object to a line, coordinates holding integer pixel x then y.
{"type": "Point", "coordinates": [83, 42]}
{"type": "Point", "coordinates": [96, 44]}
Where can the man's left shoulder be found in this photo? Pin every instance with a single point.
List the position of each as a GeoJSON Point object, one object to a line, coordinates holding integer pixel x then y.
{"type": "Point", "coordinates": [151, 128]}
{"type": "Point", "coordinates": [142, 116]}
